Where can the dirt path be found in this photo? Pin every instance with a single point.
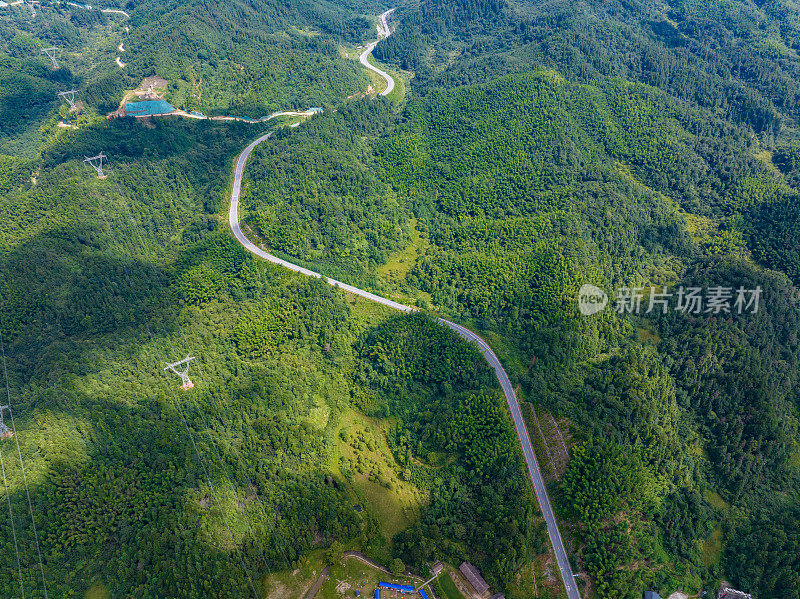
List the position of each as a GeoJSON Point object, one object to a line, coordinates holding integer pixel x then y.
{"type": "Point", "coordinates": [357, 555]}
{"type": "Point", "coordinates": [323, 576]}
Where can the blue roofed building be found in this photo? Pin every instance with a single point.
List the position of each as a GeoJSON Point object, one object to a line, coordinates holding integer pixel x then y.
{"type": "Point", "coordinates": [403, 588]}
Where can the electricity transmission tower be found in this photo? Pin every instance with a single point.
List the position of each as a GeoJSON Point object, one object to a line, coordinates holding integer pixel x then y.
{"type": "Point", "coordinates": [96, 162]}
{"type": "Point", "coordinates": [181, 368]}
{"type": "Point", "coordinates": [5, 432]}
{"type": "Point", "coordinates": [69, 96]}
{"type": "Point", "coordinates": [51, 52]}
{"type": "Point", "coordinates": [33, 8]}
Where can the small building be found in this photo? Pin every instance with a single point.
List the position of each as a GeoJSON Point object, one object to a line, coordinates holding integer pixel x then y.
{"type": "Point", "coordinates": [474, 577]}
{"type": "Point", "coordinates": [728, 592]}
{"type": "Point", "coordinates": [423, 594]}
{"type": "Point", "coordinates": [651, 595]}
{"type": "Point", "coordinates": [403, 588]}
{"type": "Point", "coordinates": [498, 596]}
{"type": "Point", "coordinates": [437, 568]}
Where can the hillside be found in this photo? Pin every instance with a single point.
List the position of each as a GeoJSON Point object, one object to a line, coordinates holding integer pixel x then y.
{"type": "Point", "coordinates": [505, 197]}
{"type": "Point", "coordinates": [540, 146]}
{"type": "Point", "coordinates": [138, 488]}
{"type": "Point", "coordinates": [240, 58]}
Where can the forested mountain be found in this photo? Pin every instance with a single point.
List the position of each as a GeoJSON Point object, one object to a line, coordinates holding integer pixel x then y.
{"type": "Point", "coordinates": [138, 489]}
{"type": "Point", "coordinates": [634, 146]}
{"type": "Point", "coordinates": [141, 489]}
{"type": "Point", "coordinates": [539, 147]}
{"type": "Point", "coordinates": [248, 58]}
{"type": "Point", "coordinates": [241, 58]}
{"type": "Point", "coordinates": [738, 59]}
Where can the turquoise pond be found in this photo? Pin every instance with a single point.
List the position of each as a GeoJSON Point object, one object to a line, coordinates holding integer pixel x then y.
{"type": "Point", "coordinates": [148, 108]}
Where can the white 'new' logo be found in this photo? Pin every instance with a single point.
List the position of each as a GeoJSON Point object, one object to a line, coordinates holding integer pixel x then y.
{"type": "Point", "coordinates": [591, 300]}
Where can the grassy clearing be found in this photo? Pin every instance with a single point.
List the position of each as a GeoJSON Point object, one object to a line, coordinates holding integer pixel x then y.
{"type": "Point", "coordinates": [367, 312]}
{"type": "Point", "coordinates": [97, 591]}
{"type": "Point", "coordinates": [401, 262]}
{"type": "Point", "coordinates": [395, 511]}
{"type": "Point", "coordinates": [392, 274]}
{"type": "Point", "coordinates": [291, 584]}
{"type": "Point", "coordinates": [362, 447]}
{"type": "Point", "coordinates": [447, 588]}
{"type": "Point", "coordinates": [401, 80]}
{"type": "Point", "coordinates": [648, 335]}
{"type": "Point", "coordinates": [712, 548]}
{"type": "Point", "coordinates": [716, 500]}
{"type": "Point", "coordinates": [765, 156]}
{"type": "Point", "coordinates": [353, 575]}
{"type": "Point", "coordinates": [350, 51]}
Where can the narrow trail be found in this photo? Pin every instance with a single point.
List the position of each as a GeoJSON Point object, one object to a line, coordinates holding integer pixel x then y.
{"type": "Point", "coordinates": [513, 404]}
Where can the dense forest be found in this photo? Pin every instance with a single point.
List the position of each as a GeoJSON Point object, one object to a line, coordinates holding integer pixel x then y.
{"type": "Point", "coordinates": [103, 283]}
{"type": "Point", "coordinates": [521, 187]}
{"type": "Point", "coordinates": [240, 58]}
{"type": "Point", "coordinates": [246, 58]}
{"type": "Point", "coordinates": [540, 146]}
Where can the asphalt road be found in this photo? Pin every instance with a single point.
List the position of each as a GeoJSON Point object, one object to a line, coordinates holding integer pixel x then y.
{"type": "Point", "coordinates": [383, 31]}
{"type": "Point", "coordinates": [233, 219]}
{"type": "Point", "coordinates": [511, 397]}
{"type": "Point", "coordinates": [530, 456]}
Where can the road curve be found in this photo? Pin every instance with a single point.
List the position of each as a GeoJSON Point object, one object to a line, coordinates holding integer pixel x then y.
{"type": "Point", "coordinates": [383, 31]}
{"type": "Point", "coordinates": [233, 219]}
{"type": "Point", "coordinates": [508, 390]}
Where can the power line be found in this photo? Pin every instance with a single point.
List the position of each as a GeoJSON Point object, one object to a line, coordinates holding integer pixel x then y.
{"type": "Point", "coordinates": [13, 528]}
{"type": "Point", "coordinates": [214, 494]}
{"type": "Point", "coordinates": [69, 96]}
{"type": "Point", "coordinates": [96, 162]}
{"type": "Point", "coordinates": [230, 481]}
{"type": "Point", "coordinates": [22, 464]}
{"type": "Point", "coordinates": [181, 368]}
{"type": "Point", "coordinates": [183, 373]}
{"type": "Point", "coordinates": [183, 417]}
{"type": "Point", "coordinates": [51, 53]}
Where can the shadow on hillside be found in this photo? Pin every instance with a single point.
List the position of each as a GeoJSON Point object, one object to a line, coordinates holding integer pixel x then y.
{"type": "Point", "coordinates": [65, 289]}
{"type": "Point", "coordinates": [199, 141]}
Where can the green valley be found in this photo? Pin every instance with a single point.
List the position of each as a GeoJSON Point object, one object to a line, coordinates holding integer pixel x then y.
{"type": "Point", "coordinates": [649, 151]}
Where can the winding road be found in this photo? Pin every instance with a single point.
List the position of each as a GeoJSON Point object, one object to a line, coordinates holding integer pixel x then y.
{"type": "Point", "coordinates": [511, 398]}
{"type": "Point", "coordinates": [383, 31]}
